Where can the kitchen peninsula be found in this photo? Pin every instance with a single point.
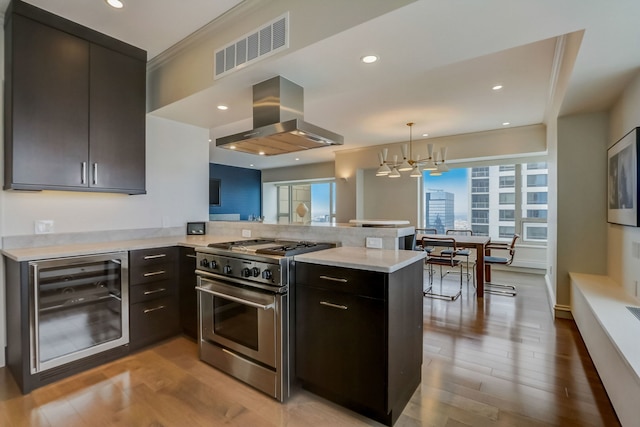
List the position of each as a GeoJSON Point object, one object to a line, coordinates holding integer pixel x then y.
{"type": "Point", "coordinates": [393, 278]}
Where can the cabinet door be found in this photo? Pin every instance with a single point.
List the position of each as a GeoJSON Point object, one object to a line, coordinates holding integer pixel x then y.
{"type": "Point", "coordinates": [340, 346]}
{"type": "Point", "coordinates": [50, 93]}
{"type": "Point", "coordinates": [188, 296]}
{"type": "Point", "coordinates": [117, 121]}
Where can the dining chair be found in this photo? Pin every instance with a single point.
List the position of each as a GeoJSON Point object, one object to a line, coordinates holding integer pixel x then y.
{"type": "Point", "coordinates": [509, 249]}
{"type": "Point", "coordinates": [443, 258]}
{"type": "Point", "coordinates": [464, 253]}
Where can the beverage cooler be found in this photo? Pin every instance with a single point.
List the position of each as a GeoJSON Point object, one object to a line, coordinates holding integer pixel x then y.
{"type": "Point", "coordinates": [76, 316]}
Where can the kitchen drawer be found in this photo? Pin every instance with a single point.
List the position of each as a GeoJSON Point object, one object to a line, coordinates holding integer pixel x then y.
{"type": "Point", "coordinates": [370, 284]}
{"type": "Point", "coordinates": [152, 321]}
{"type": "Point", "coordinates": [153, 256]}
{"type": "Point", "coordinates": [152, 290]}
{"type": "Point", "coordinates": [150, 265]}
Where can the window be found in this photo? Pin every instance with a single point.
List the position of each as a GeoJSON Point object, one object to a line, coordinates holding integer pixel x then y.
{"type": "Point", "coordinates": [537, 198]}
{"type": "Point", "coordinates": [479, 172]}
{"type": "Point", "coordinates": [477, 205]}
{"type": "Point", "coordinates": [536, 180]}
{"type": "Point", "coordinates": [507, 198]}
{"type": "Point", "coordinates": [507, 215]}
{"type": "Point", "coordinates": [507, 181]}
{"type": "Point", "coordinates": [318, 197]}
{"type": "Point", "coordinates": [480, 185]}
{"type": "Point", "coordinates": [539, 165]}
{"type": "Point", "coordinates": [480, 217]}
{"type": "Point", "coordinates": [480, 230]}
{"type": "Point", "coordinates": [479, 201]}
{"type": "Point", "coordinates": [537, 213]}
{"type": "Point", "coordinates": [534, 232]}
{"type": "Point", "coordinates": [506, 232]}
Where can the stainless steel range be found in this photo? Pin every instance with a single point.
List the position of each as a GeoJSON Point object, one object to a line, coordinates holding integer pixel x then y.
{"type": "Point", "coordinates": [244, 307]}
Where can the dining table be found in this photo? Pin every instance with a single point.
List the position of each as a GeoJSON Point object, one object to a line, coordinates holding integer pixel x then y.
{"type": "Point", "coordinates": [479, 243]}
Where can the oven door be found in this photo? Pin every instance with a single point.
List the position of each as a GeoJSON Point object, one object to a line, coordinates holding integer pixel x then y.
{"type": "Point", "coordinates": [239, 320]}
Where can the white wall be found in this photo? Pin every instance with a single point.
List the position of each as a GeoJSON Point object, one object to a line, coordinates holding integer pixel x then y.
{"type": "Point", "coordinates": [581, 198]}
{"type": "Point", "coordinates": [395, 199]}
{"type": "Point", "coordinates": [621, 266]}
{"type": "Point", "coordinates": [177, 170]}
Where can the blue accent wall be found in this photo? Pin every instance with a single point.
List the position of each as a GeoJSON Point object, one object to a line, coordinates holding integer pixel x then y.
{"type": "Point", "coordinates": [240, 190]}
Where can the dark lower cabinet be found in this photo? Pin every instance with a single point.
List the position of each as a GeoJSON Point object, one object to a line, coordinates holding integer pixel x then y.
{"type": "Point", "coordinates": [359, 336]}
{"type": "Point", "coordinates": [154, 312]}
{"type": "Point", "coordinates": [188, 296]}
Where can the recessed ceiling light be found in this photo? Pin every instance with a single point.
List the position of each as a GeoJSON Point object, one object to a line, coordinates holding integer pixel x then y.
{"type": "Point", "coordinates": [506, 123]}
{"type": "Point", "coordinates": [425, 134]}
{"type": "Point", "coordinates": [233, 147]}
{"type": "Point", "coordinates": [115, 3]}
{"type": "Point", "coordinates": [209, 139]}
{"type": "Point", "coordinates": [251, 165]}
{"type": "Point", "coordinates": [369, 59]}
{"type": "Point", "coordinates": [297, 158]}
{"type": "Point", "coordinates": [222, 107]}
{"type": "Point", "coordinates": [497, 87]}
{"type": "Point", "coordinates": [261, 153]}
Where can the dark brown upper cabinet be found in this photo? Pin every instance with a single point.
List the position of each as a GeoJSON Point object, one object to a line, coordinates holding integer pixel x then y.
{"type": "Point", "coordinates": [74, 106]}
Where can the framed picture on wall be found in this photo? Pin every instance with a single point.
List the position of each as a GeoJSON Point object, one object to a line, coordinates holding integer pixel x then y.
{"type": "Point", "coordinates": [622, 185]}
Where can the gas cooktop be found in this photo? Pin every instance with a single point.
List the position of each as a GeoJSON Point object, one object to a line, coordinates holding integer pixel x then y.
{"type": "Point", "coordinates": [272, 246]}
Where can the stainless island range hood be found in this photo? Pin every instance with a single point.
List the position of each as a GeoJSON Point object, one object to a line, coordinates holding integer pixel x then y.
{"type": "Point", "coordinates": [278, 125]}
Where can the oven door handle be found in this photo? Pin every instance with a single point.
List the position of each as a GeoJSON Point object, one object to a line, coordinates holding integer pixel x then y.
{"type": "Point", "coordinates": [236, 299]}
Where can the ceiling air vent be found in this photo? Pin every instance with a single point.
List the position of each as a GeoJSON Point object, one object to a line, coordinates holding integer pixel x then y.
{"type": "Point", "coordinates": [256, 45]}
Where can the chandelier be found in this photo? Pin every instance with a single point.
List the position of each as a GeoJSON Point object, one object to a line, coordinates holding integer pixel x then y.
{"type": "Point", "coordinates": [434, 163]}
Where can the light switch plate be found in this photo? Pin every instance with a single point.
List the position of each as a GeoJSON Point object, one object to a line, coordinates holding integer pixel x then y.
{"type": "Point", "coordinates": [44, 226]}
{"type": "Point", "coordinates": [246, 233]}
{"type": "Point", "coordinates": [374, 242]}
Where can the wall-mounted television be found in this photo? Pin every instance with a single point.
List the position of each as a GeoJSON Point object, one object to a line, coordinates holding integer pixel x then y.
{"type": "Point", "coordinates": [214, 192]}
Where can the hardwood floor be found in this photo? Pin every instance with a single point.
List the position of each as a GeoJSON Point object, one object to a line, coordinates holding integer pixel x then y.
{"type": "Point", "coordinates": [503, 362]}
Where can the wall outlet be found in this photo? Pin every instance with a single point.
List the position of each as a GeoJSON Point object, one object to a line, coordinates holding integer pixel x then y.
{"type": "Point", "coordinates": [246, 233]}
{"type": "Point", "coordinates": [374, 242]}
{"type": "Point", "coordinates": [44, 226]}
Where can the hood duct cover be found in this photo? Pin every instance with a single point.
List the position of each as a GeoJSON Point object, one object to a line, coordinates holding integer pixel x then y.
{"type": "Point", "coordinates": [278, 125]}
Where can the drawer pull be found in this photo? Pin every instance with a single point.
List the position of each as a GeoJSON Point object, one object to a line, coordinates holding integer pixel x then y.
{"type": "Point", "coordinates": [155, 256]}
{"type": "Point", "coordinates": [191, 256]}
{"type": "Point", "coordinates": [334, 279]}
{"type": "Point", "coordinates": [154, 273]}
{"type": "Point", "coordinates": [149, 310]}
{"type": "Point", "coordinates": [155, 291]}
{"type": "Point", "coordinates": [328, 304]}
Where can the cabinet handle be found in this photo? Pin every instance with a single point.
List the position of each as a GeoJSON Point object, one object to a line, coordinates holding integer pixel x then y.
{"type": "Point", "coordinates": [155, 291]}
{"type": "Point", "coordinates": [155, 256]}
{"type": "Point", "coordinates": [154, 273]}
{"type": "Point", "coordinates": [334, 279]}
{"type": "Point", "coordinates": [328, 304]}
{"type": "Point", "coordinates": [84, 173]}
{"type": "Point", "coordinates": [149, 310]}
{"type": "Point", "coordinates": [191, 256]}
{"type": "Point", "coordinates": [95, 174]}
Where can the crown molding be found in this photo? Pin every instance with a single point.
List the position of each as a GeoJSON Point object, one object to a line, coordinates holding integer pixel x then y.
{"type": "Point", "coordinates": [245, 7]}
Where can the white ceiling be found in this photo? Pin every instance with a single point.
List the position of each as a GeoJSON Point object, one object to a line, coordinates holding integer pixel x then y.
{"type": "Point", "coordinates": [438, 62]}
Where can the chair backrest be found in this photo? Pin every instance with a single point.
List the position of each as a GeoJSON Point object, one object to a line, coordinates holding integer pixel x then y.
{"type": "Point", "coordinates": [417, 243]}
{"type": "Point", "coordinates": [426, 231]}
{"type": "Point", "coordinates": [459, 232]}
{"type": "Point", "coordinates": [512, 248]}
{"type": "Point", "coordinates": [445, 242]}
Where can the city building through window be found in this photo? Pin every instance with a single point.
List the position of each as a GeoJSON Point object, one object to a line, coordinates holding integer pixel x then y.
{"type": "Point", "coordinates": [495, 201]}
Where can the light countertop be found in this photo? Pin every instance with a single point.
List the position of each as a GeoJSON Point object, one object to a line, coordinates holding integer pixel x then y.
{"type": "Point", "coordinates": [382, 260]}
{"type": "Point", "coordinates": [79, 249]}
